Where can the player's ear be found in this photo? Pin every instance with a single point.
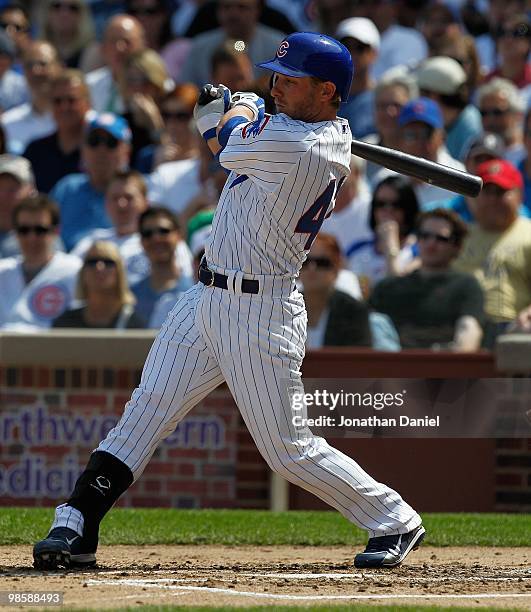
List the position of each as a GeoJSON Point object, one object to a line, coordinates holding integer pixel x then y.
{"type": "Point", "coordinates": [328, 90]}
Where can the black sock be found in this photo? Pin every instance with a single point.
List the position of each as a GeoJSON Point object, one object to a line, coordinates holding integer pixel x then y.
{"type": "Point", "coordinates": [97, 489]}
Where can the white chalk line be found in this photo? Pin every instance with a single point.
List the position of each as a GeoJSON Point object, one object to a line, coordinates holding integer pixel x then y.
{"type": "Point", "coordinates": [180, 588]}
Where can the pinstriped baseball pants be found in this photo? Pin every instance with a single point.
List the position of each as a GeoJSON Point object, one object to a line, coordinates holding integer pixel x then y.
{"type": "Point", "coordinates": [256, 345]}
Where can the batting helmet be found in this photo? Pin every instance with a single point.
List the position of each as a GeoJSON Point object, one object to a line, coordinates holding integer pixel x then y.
{"type": "Point", "coordinates": [306, 54]}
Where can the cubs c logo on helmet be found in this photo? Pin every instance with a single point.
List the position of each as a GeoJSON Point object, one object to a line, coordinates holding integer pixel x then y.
{"type": "Point", "coordinates": [283, 48]}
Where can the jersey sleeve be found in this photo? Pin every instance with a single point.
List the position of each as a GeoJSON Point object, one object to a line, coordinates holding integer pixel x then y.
{"type": "Point", "coordinates": [267, 151]}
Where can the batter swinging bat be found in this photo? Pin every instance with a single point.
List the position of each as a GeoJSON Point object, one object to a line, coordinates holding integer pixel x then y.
{"type": "Point", "coordinates": [427, 171]}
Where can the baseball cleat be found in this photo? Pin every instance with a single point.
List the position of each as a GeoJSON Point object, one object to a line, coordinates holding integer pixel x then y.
{"type": "Point", "coordinates": [62, 547]}
{"type": "Point", "coordinates": [390, 550]}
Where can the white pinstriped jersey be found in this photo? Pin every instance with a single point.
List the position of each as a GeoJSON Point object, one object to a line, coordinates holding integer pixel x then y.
{"type": "Point", "coordinates": [284, 177]}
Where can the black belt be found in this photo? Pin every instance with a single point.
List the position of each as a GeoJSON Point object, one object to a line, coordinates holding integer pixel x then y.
{"type": "Point", "coordinates": [213, 279]}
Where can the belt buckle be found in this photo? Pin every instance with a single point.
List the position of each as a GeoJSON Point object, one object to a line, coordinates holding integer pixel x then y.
{"type": "Point", "coordinates": [211, 283]}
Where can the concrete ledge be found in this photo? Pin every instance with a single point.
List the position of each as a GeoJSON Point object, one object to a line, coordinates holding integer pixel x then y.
{"type": "Point", "coordinates": [67, 348]}
{"type": "Point", "coordinates": [513, 353]}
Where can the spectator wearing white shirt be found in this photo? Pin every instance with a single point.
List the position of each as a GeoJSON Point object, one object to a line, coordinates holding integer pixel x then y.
{"type": "Point", "coordinates": [39, 285]}
{"type": "Point", "coordinates": [33, 119]}
{"type": "Point", "coordinates": [502, 109]}
{"type": "Point", "coordinates": [123, 36]}
{"type": "Point", "coordinates": [125, 201]}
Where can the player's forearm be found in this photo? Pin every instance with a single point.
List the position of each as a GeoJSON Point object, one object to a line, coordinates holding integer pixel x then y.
{"type": "Point", "coordinates": [468, 334]}
{"type": "Point", "coordinates": [238, 111]}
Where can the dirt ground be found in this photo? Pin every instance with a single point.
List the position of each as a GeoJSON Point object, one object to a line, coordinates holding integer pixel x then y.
{"type": "Point", "coordinates": [244, 576]}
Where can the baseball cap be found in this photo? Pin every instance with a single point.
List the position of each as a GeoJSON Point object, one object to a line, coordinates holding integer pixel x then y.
{"type": "Point", "coordinates": [441, 74]}
{"type": "Point", "coordinates": [423, 110]}
{"type": "Point", "coordinates": [361, 29]}
{"type": "Point", "coordinates": [18, 167]}
{"type": "Point", "coordinates": [500, 172]}
{"type": "Point", "coordinates": [489, 144]}
{"type": "Point", "coordinates": [112, 124]}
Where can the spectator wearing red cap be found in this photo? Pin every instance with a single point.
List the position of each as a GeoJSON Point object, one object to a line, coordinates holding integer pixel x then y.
{"type": "Point", "coordinates": [498, 248]}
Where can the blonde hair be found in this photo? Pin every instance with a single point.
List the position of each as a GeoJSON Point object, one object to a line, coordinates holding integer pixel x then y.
{"type": "Point", "coordinates": [108, 250]}
{"type": "Point", "coordinates": [152, 66]}
{"type": "Point", "coordinates": [86, 32]}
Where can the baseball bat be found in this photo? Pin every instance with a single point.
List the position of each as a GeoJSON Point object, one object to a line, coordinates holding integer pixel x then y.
{"type": "Point", "coordinates": [427, 171]}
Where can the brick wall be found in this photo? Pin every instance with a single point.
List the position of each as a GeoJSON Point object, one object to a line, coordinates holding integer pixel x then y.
{"type": "Point", "coordinates": [51, 419]}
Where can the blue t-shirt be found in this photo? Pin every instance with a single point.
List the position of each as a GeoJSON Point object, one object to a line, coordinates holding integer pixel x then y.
{"type": "Point", "coordinates": [147, 297]}
{"type": "Point", "coordinates": [82, 208]}
{"type": "Point", "coordinates": [466, 128]}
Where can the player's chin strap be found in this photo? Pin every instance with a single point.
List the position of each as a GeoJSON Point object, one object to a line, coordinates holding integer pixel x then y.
{"type": "Point", "coordinates": [226, 130]}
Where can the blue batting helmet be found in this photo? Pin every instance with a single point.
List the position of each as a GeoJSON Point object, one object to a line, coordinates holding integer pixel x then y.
{"type": "Point", "coordinates": [304, 54]}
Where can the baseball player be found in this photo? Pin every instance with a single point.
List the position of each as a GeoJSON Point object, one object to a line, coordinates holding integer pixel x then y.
{"type": "Point", "coordinates": [244, 322]}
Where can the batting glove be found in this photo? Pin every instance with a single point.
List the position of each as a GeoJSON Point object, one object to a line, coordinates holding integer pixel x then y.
{"type": "Point", "coordinates": [212, 104]}
{"type": "Point", "coordinates": [252, 102]}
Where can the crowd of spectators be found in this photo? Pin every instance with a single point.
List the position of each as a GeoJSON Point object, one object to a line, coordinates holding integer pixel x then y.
{"type": "Point", "coordinates": [107, 193]}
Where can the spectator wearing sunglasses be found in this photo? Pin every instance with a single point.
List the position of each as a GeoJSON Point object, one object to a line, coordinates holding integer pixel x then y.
{"type": "Point", "coordinates": [33, 119]}
{"type": "Point", "coordinates": [53, 157]}
{"type": "Point", "coordinates": [487, 147]}
{"type": "Point", "coordinates": [390, 248]}
{"type": "Point", "coordinates": [14, 20]}
{"type": "Point", "coordinates": [68, 26]}
{"type": "Point", "coordinates": [334, 318]}
{"type": "Point", "coordinates": [81, 197]}
{"type": "Point", "coordinates": [125, 201]}
{"type": "Point", "coordinates": [498, 248]}
{"type": "Point", "coordinates": [361, 37]}
{"type": "Point", "coordinates": [514, 44]}
{"type": "Point", "coordinates": [502, 108]}
{"type": "Point", "coordinates": [38, 285]}
{"type": "Point", "coordinates": [160, 235]}
{"type": "Point", "coordinates": [102, 287]}
{"type": "Point", "coordinates": [435, 306]}
{"type": "Point", "coordinates": [16, 184]}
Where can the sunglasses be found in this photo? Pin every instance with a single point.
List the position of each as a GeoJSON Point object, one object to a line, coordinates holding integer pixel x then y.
{"type": "Point", "coordinates": [148, 10]}
{"type": "Point", "coordinates": [422, 235]}
{"type": "Point", "coordinates": [414, 136]}
{"type": "Point", "coordinates": [155, 231]}
{"type": "Point", "coordinates": [493, 112]}
{"type": "Point", "coordinates": [65, 99]}
{"type": "Point", "coordinates": [378, 203]}
{"type": "Point", "coordinates": [520, 31]}
{"type": "Point", "coordinates": [323, 263]}
{"type": "Point", "coordinates": [92, 262]}
{"type": "Point", "coordinates": [38, 230]}
{"type": "Point", "coordinates": [357, 45]}
{"type": "Point", "coordinates": [94, 139]}
{"type": "Point", "coordinates": [178, 116]}
{"type": "Point", "coordinates": [14, 26]}
{"type": "Point", "coordinates": [70, 6]}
